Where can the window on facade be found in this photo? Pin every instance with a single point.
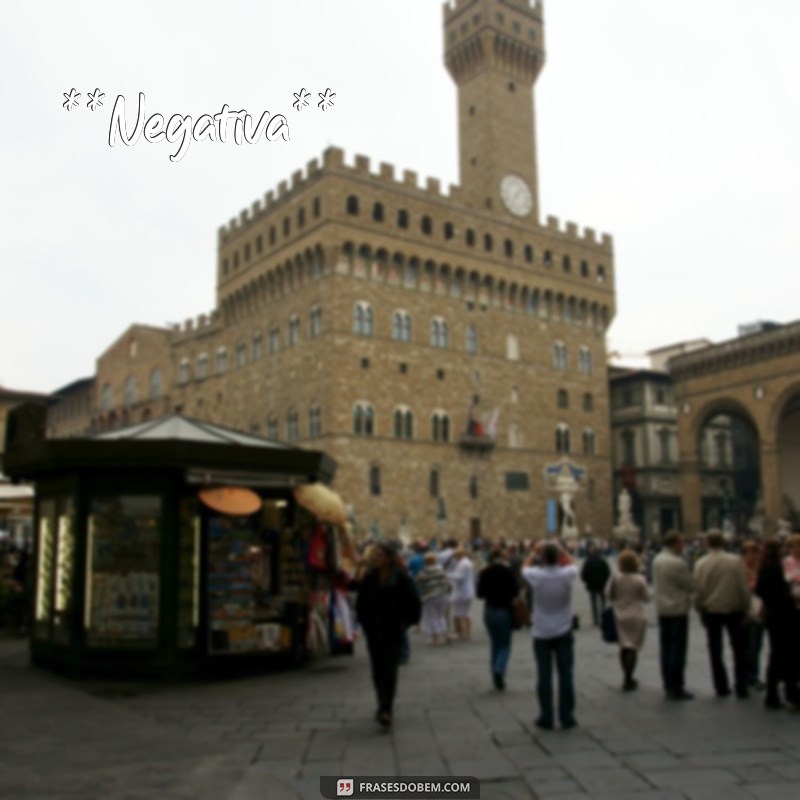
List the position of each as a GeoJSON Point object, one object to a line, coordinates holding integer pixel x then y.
{"type": "Point", "coordinates": [292, 427]}
{"type": "Point", "coordinates": [512, 347]}
{"type": "Point", "coordinates": [588, 402]}
{"type": "Point", "coordinates": [374, 480]}
{"type": "Point", "coordinates": [287, 226]}
{"type": "Point", "coordinates": [403, 423]}
{"type": "Point", "coordinates": [259, 243]}
{"type": "Point", "coordinates": [433, 483]}
{"type": "Point", "coordinates": [440, 427]}
{"type": "Point", "coordinates": [222, 360]}
{"type": "Point", "coordinates": [272, 429]}
{"type": "Point", "coordinates": [315, 422]}
{"type": "Point", "coordinates": [426, 226]}
{"type": "Point", "coordinates": [377, 212]}
{"type": "Point", "coordinates": [236, 260]}
{"type": "Point", "coordinates": [410, 274]}
{"type": "Point", "coordinates": [401, 326]}
{"type": "Point", "coordinates": [256, 348]}
{"type": "Point", "coordinates": [514, 435]}
{"type": "Point", "coordinates": [247, 252]}
{"type": "Point", "coordinates": [225, 266]}
{"type": "Point", "coordinates": [156, 384]}
{"type": "Point", "coordinates": [548, 258]}
{"type": "Point", "coordinates": [588, 442]}
{"type": "Point", "coordinates": [472, 339]}
{"type": "Point", "coordinates": [241, 354]}
{"type": "Point", "coordinates": [601, 274]}
{"type": "Point", "coordinates": [562, 438]}
{"type": "Point", "coordinates": [584, 269]}
{"type": "Point", "coordinates": [488, 242]}
{"type": "Point", "coordinates": [363, 419]}
{"type": "Point", "coordinates": [184, 372]}
{"type": "Point", "coordinates": [301, 217]}
{"type": "Point", "coordinates": [274, 339]}
{"type": "Point", "coordinates": [317, 208]}
{"type": "Point", "coordinates": [362, 319]}
{"type": "Point", "coordinates": [470, 237]}
{"type": "Point", "coordinates": [352, 205]}
{"type": "Point", "coordinates": [560, 360]}
{"type": "Point", "coordinates": [585, 361]}
{"type": "Point", "coordinates": [439, 332]}
{"type": "Point", "coordinates": [722, 449]}
{"type": "Point", "coordinates": [402, 218]}
{"type": "Point", "coordinates": [628, 448]}
{"type": "Point", "coordinates": [473, 487]}
{"type": "Point", "coordinates": [528, 254]}
{"type": "Point", "coordinates": [508, 247]}
{"type": "Point", "coordinates": [449, 231]}
{"type": "Point", "coordinates": [566, 264]}
{"type": "Point", "coordinates": [315, 321]}
{"type": "Point", "coordinates": [272, 235]}
{"type": "Point", "coordinates": [105, 397]}
{"type": "Point", "coordinates": [202, 366]}
{"type": "Point", "coordinates": [294, 330]}
{"type": "Point", "coordinates": [562, 398]}
{"type": "Point", "coordinates": [129, 396]}
{"type": "Point", "coordinates": [664, 436]}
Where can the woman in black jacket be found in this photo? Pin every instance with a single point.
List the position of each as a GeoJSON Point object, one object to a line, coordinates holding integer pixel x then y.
{"type": "Point", "coordinates": [498, 586]}
{"type": "Point", "coordinates": [781, 622]}
{"type": "Point", "coordinates": [387, 604]}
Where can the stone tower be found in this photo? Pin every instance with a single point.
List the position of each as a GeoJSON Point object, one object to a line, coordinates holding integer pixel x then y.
{"type": "Point", "coordinates": [494, 50]}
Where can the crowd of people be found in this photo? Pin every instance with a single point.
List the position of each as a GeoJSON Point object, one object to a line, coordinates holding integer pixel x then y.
{"type": "Point", "coordinates": [749, 594]}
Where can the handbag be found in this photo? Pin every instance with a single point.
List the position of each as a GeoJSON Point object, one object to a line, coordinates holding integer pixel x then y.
{"type": "Point", "coordinates": [608, 626]}
{"type": "Point", "coordinates": [520, 614]}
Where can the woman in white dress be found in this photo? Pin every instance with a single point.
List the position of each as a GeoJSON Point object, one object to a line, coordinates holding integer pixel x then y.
{"type": "Point", "coordinates": [434, 590]}
{"type": "Point", "coordinates": [462, 580]}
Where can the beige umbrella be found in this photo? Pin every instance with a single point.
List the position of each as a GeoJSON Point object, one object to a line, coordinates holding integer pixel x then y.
{"type": "Point", "coordinates": [322, 502]}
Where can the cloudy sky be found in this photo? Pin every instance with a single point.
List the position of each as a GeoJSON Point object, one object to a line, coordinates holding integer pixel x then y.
{"type": "Point", "coordinates": [675, 126]}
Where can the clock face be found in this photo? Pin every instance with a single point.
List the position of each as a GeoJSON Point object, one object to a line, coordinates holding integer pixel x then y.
{"type": "Point", "coordinates": [516, 194]}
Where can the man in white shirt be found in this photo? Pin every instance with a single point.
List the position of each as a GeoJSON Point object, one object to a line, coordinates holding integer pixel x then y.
{"type": "Point", "coordinates": [552, 630]}
{"type": "Point", "coordinates": [673, 590]}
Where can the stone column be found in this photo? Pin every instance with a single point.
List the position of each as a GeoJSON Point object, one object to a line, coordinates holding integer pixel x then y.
{"type": "Point", "coordinates": [771, 491]}
{"type": "Point", "coordinates": [691, 497]}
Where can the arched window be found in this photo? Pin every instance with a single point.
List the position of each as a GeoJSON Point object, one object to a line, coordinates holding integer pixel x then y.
{"type": "Point", "coordinates": [439, 332]}
{"type": "Point", "coordinates": [106, 397]}
{"type": "Point", "coordinates": [426, 225]}
{"type": "Point", "coordinates": [292, 427]}
{"type": "Point", "coordinates": [589, 442]}
{"type": "Point", "coordinates": [560, 360]}
{"type": "Point", "coordinates": [562, 398]}
{"type": "Point", "coordinates": [294, 330]}
{"type": "Point", "coordinates": [562, 438]}
{"type": "Point", "coordinates": [362, 319]}
{"type": "Point", "coordinates": [377, 212]}
{"type": "Point", "coordinates": [585, 361]}
{"type": "Point", "coordinates": [130, 392]}
{"type": "Point", "coordinates": [401, 326]}
{"type": "Point", "coordinates": [222, 360]}
{"type": "Point", "coordinates": [202, 366]}
{"type": "Point", "coordinates": [512, 347]}
{"type": "Point", "coordinates": [440, 426]}
{"type": "Point", "coordinates": [352, 205]}
{"type": "Point", "coordinates": [515, 435]}
{"type": "Point", "coordinates": [403, 423]}
{"type": "Point", "coordinates": [156, 384]}
{"type": "Point", "coordinates": [402, 218]}
{"type": "Point", "coordinates": [588, 402]}
{"type": "Point", "coordinates": [488, 242]}
{"type": "Point", "coordinates": [241, 354]}
{"type": "Point", "coordinates": [314, 421]}
{"type": "Point", "coordinates": [184, 371]}
{"type": "Point", "coordinates": [472, 339]}
{"type": "Point", "coordinates": [363, 419]}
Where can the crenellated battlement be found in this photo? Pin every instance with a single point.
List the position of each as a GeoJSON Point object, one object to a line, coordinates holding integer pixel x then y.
{"type": "Point", "coordinates": [334, 161]}
{"type": "Point", "coordinates": [196, 326]}
{"type": "Point", "coordinates": [455, 8]}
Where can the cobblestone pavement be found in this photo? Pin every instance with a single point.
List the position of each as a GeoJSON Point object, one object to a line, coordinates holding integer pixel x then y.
{"type": "Point", "coordinates": [272, 736]}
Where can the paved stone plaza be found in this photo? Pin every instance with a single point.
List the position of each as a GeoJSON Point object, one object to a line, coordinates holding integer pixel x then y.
{"type": "Point", "coordinates": [271, 737]}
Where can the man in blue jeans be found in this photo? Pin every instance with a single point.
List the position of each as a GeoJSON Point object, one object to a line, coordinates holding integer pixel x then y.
{"type": "Point", "coordinates": [552, 630]}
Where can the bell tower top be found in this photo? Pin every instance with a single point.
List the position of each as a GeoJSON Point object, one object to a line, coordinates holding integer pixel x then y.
{"type": "Point", "coordinates": [494, 51]}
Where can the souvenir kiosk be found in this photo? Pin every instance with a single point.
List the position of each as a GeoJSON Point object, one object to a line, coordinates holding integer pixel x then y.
{"type": "Point", "coordinates": [173, 547]}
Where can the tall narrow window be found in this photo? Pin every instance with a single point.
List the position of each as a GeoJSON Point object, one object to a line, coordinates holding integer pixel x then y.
{"type": "Point", "coordinates": [439, 332]}
{"type": "Point", "coordinates": [585, 361]}
{"type": "Point", "coordinates": [241, 354]}
{"type": "Point", "coordinates": [130, 392]}
{"type": "Point", "coordinates": [375, 480]}
{"type": "Point", "coordinates": [562, 438]}
{"type": "Point", "coordinates": [294, 330]}
{"type": "Point", "coordinates": [352, 205]}
{"type": "Point", "coordinates": [362, 319]}
{"type": "Point", "coordinates": [222, 360]}
{"type": "Point", "coordinates": [433, 483]}
{"type": "Point", "coordinates": [560, 355]}
{"type": "Point", "coordinates": [588, 442]}
{"type": "Point", "coordinates": [472, 339]}
{"type": "Point", "coordinates": [156, 384]}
